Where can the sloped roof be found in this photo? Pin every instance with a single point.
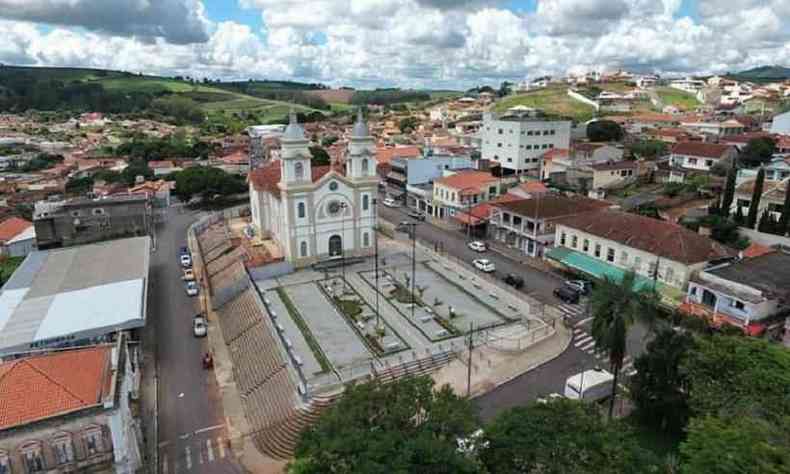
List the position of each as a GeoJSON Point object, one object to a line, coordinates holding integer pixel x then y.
{"type": "Point", "coordinates": [466, 179]}
{"type": "Point", "coordinates": [707, 150]}
{"type": "Point", "coordinates": [552, 206]}
{"type": "Point", "coordinates": [40, 387]}
{"type": "Point", "coordinates": [267, 177]}
{"type": "Point", "coordinates": [12, 227]}
{"type": "Point", "coordinates": [661, 238]}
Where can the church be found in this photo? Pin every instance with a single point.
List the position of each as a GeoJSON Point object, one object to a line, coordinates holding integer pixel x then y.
{"type": "Point", "coordinates": [317, 212]}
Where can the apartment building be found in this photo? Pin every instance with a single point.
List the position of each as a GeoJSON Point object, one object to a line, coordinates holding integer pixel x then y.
{"type": "Point", "coordinates": [516, 141]}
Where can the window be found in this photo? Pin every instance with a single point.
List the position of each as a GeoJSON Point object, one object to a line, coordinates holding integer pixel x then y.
{"type": "Point", "coordinates": [33, 459]}
{"type": "Point", "coordinates": [63, 448]}
{"type": "Point", "coordinates": [552, 132]}
{"type": "Point", "coordinates": [5, 463]}
{"type": "Point", "coordinates": [737, 304]}
{"type": "Point", "coordinates": [637, 262]}
{"type": "Point", "coordinates": [506, 218]}
{"type": "Point", "coordinates": [624, 257]}
{"type": "Point", "coordinates": [98, 211]}
{"type": "Point", "coordinates": [499, 145]}
{"type": "Point", "coordinates": [510, 160]}
{"type": "Point", "coordinates": [516, 221]}
{"type": "Point", "coordinates": [693, 290]}
{"type": "Point", "coordinates": [562, 238]}
{"type": "Point", "coordinates": [574, 241]}
{"type": "Point", "coordinates": [692, 161]}
{"type": "Point", "coordinates": [544, 146]}
{"type": "Point", "coordinates": [303, 249]}
{"type": "Point", "coordinates": [545, 132]}
{"type": "Point", "coordinates": [744, 203]}
{"type": "Point", "coordinates": [586, 245]}
{"type": "Point", "coordinates": [365, 166]}
{"type": "Point", "coordinates": [366, 240]}
{"type": "Point", "coordinates": [530, 133]}
{"type": "Point", "coordinates": [300, 210]}
{"type": "Point", "coordinates": [299, 171]}
{"type": "Point", "coordinates": [598, 250]}
{"type": "Point", "coordinates": [610, 255]}
{"type": "Point", "coordinates": [365, 202]}
{"type": "Point", "coordinates": [333, 186]}
{"type": "Point", "coordinates": [73, 214]}
{"type": "Point", "coordinates": [529, 147]}
{"type": "Point", "coordinates": [708, 163]}
{"type": "Point", "coordinates": [492, 191]}
{"type": "Point", "coordinates": [551, 145]}
{"type": "Point", "coordinates": [93, 438]}
{"type": "Point", "coordinates": [669, 275]}
{"type": "Point", "coordinates": [501, 131]}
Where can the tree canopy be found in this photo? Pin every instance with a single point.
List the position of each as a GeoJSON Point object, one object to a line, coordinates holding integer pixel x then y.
{"type": "Point", "coordinates": [207, 182]}
{"type": "Point", "coordinates": [408, 124]}
{"type": "Point", "coordinates": [319, 156]}
{"type": "Point", "coordinates": [400, 427]}
{"type": "Point", "coordinates": [758, 151]}
{"type": "Point", "coordinates": [648, 149]}
{"type": "Point", "coordinates": [604, 131]}
{"type": "Point", "coordinates": [558, 437]}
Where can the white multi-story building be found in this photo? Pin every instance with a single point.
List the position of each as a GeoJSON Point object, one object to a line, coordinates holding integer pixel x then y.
{"type": "Point", "coordinates": [517, 141]}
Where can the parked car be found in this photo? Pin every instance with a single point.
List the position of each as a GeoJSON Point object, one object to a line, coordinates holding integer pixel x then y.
{"type": "Point", "coordinates": [189, 274]}
{"type": "Point", "coordinates": [514, 280]}
{"type": "Point", "coordinates": [199, 326]}
{"type": "Point", "coordinates": [186, 261]}
{"type": "Point", "coordinates": [192, 288]}
{"type": "Point", "coordinates": [567, 294]}
{"type": "Point", "coordinates": [418, 215]}
{"type": "Point", "coordinates": [581, 286]}
{"type": "Point", "coordinates": [389, 202]}
{"type": "Point", "coordinates": [484, 265]}
{"type": "Point", "coordinates": [183, 251]}
{"type": "Point", "coordinates": [477, 246]}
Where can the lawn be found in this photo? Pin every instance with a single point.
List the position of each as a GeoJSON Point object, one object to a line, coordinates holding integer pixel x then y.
{"type": "Point", "coordinates": [7, 267]}
{"type": "Point", "coordinates": [146, 84]}
{"type": "Point", "coordinates": [681, 100]}
{"type": "Point", "coordinates": [444, 94]}
{"type": "Point", "coordinates": [553, 100]}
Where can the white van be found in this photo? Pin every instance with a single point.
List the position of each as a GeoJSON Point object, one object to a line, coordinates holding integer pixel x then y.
{"type": "Point", "coordinates": [591, 385]}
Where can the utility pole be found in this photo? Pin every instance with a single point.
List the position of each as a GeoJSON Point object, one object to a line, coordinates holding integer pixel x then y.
{"type": "Point", "coordinates": [376, 253]}
{"type": "Point", "coordinates": [413, 264]}
{"type": "Point", "coordinates": [469, 363]}
{"type": "Point", "coordinates": [343, 207]}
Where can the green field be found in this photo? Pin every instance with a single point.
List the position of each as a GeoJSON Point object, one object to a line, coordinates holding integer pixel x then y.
{"type": "Point", "coordinates": [553, 100]}
{"type": "Point", "coordinates": [445, 94]}
{"type": "Point", "coordinates": [681, 100]}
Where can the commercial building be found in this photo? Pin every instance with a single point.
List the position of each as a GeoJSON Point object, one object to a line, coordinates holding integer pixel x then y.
{"type": "Point", "coordinates": [405, 172]}
{"type": "Point", "coordinates": [463, 190]}
{"type": "Point", "coordinates": [69, 411]}
{"type": "Point", "coordinates": [84, 220]}
{"type": "Point", "coordinates": [75, 296]}
{"type": "Point", "coordinates": [517, 141]}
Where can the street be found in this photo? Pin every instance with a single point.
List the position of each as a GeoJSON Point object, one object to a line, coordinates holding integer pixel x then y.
{"type": "Point", "coordinates": [191, 424]}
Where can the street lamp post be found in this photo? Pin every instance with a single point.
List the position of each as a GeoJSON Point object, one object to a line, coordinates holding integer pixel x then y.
{"type": "Point", "coordinates": [343, 207]}
{"type": "Point", "coordinates": [376, 255]}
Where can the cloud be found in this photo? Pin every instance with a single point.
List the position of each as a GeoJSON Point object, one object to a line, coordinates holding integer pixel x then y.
{"type": "Point", "coordinates": [580, 17]}
{"type": "Point", "coordinates": [178, 21]}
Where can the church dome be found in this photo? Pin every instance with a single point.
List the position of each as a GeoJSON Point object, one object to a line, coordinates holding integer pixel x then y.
{"type": "Point", "coordinates": [360, 127]}
{"type": "Point", "coordinates": [293, 131]}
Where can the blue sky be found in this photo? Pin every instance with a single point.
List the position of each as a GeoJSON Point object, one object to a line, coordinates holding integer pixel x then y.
{"type": "Point", "coordinates": [408, 43]}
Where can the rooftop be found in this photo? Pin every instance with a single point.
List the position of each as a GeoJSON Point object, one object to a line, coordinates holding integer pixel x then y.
{"type": "Point", "coordinates": [12, 227]}
{"type": "Point", "coordinates": [769, 273]}
{"type": "Point", "coordinates": [551, 206]}
{"type": "Point", "coordinates": [660, 238]}
{"type": "Point", "coordinates": [44, 386]}
{"type": "Point", "coordinates": [708, 150]}
{"type": "Point", "coordinates": [467, 179]}
{"type": "Point", "coordinates": [268, 176]}
{"type": "Point", "coordinates": [46, 299]}
{"type": "Point", "coordinates": [615, 165]}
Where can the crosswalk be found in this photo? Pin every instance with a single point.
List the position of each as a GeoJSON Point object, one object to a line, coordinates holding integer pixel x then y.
{"type": "Point", "coordinates": [571, 310]}
{"type": "Point", "coordinates": [585, 342]}
{"type": "Point", "coordinates": [193, 455]}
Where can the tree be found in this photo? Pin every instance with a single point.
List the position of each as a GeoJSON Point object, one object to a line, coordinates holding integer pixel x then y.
{"type": "Point", "coordinates": [399, 427]}
{"type": "Point", "coordinates": [740, 445]}
{"type": "Point", "coordinates": [729, 192]}
{"type": "Point", "coordinates": [408, 124]}
{"type": "Point", "coordinates": [559, 437]}
{"type": "Point", "coordinates": [615, 308]}
{"type": "Point", "coordinates": [79, 185]}
{"type": "Point", "coordinates": [207, 182]}
{"type": "Point", "coordinates": [757, 193]}
{"type": "Point", "coordinates": [136, 168]}
{"type": "Point", "coordinates": [784, 220]}
{"type": "Point", "coordinates": [758, 151]}
{"type": "Point", "coordinates": [319, 156]}
{"type": "Point", "coordinates": [659, 387]}
{"type": "Point", "coordinates": [604, 131]}
{"type": "Point", "coordinates": [648, 149]}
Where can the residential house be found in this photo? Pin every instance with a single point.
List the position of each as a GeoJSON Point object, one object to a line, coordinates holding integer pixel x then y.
{"type": "Point", "coordinates": [17, 237]}
{"type": "Point", "coordinates": [385, 154]}
{"type": "Point", "coordinates": [528, 224]}
{"type": "Point", "coordinates": [81, 220]}
{"type": "Point", "coordinates": [463, 190]}
{"type": "Point", "coordinates": [713, 128]}
{"type": "Point", "coordinates": [698, 156]}
{"type": "Point", "coordinates": [781, 124]}
{"type": "Point", "coordinates": [609, 243]}
{"type": "Point", "coordinates": [771, 200]}
{"type": "Point", "coordinates": [688, 85]}
{"type": "Point", "coordinates": [615, 174]}
{"type": "Point", "coordinates": [528, 190]}
{"type": "Point", "coordinates": [237, 162]}
{"type": "Point", "coordinates": [69, 411]}
{"type": "Point", "coordinates": [778, 169]}
{"type": "Point", "coordinates": [743, 293]}
{"type": "Point", "coordinates": [163, 167]}
{"type": "Point", "coordinates": [596, 152]}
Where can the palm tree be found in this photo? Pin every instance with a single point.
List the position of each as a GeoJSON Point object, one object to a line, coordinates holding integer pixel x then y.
{"type": "Point", "coordinates": [616, 306]}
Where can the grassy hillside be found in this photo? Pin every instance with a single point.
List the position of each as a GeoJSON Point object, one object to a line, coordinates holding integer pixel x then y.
{"type": "Point", "coordinates": [681, 100]}
{"type": "Point", "coordinates": [763, 74]}
{"type": "Point", "coordinates": [553, 100]}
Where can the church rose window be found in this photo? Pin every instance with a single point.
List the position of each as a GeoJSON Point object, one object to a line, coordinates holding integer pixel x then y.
{"type": "Point", "coordinates": [334, 208]}
{"type": "Point", "coordinates": [333, 186]}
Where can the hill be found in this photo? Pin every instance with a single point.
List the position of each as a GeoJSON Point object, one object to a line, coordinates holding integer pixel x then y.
{"type": "Point", "coordinates": [554, 100]}
{"type": "Point", "coordinates": [763, 74]}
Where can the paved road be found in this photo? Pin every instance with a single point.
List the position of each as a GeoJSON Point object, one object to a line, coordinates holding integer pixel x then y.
{"type": "Point", "coordinates": [191, 425]}
{"type": "Point", "coordinates": [537, 284]}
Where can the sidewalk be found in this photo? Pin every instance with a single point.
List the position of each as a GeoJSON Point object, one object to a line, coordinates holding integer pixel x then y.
{"type": "Point", "coordinates": [501, 367]}
{"type": "Point", "coordinates": [148, 400]}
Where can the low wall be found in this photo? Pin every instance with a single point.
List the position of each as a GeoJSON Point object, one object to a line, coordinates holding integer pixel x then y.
{"type": "Point", "coordinates": [581, 98]}
{"type": "Point", "coordinates": [762, 238]}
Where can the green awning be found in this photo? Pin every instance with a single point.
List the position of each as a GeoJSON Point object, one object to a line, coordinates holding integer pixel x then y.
{"type": "Point", "coordinates": [599, 269]}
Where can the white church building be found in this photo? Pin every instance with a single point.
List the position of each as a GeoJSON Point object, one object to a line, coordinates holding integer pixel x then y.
{"type": "Point", "coordinates": [317, 212]}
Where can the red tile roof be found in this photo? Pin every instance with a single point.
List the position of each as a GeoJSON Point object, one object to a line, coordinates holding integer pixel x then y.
{"type": "Point", "coordinates": [39, 387]}
{"type": "Point", "coordinates": [267, 177]}
{"type": "Point", "coordinates": [552, 206]}
{"type": "Point", "coordinates": [160, 164]}
{"type": "Point", "coordinates": [467, 179]}
{"type": "Point", "coordinates": [12, 227]}
{"type": "Point", "coordinates": [707, 150]}
{"type": "Point", "coordinates": [661, 238]}
{"type": "Point", "coordinates": [755, 250]}
{"type": "Point", "coordinates": [386, 154]}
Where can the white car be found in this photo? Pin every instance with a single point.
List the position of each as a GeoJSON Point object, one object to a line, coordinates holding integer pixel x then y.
{"type": "Point", "coordinates": [389, 202]}
{"type": "Point", "coordinates": [484, 265]}
{"type": "Point", "coordinates": [186, 261]}
{"type": "Point", "coordinates": [477, 246]}
{"type": "Point", "coordinates": [192, 288]}
{"type": "Point", "coordinates": [189, 275]}
{"type": "Point", "coordinates": [199, 326]}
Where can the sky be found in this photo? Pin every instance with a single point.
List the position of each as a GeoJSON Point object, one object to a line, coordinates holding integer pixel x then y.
{"type": "Point", "coordinates": [443, 44]}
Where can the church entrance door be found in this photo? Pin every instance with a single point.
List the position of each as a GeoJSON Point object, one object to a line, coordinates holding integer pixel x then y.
{"type": "Point", "coordinates": [335, 246]}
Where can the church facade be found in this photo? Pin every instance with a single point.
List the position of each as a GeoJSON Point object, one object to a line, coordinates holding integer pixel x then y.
{"type": "Point", "coordinates": [317, 212]}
